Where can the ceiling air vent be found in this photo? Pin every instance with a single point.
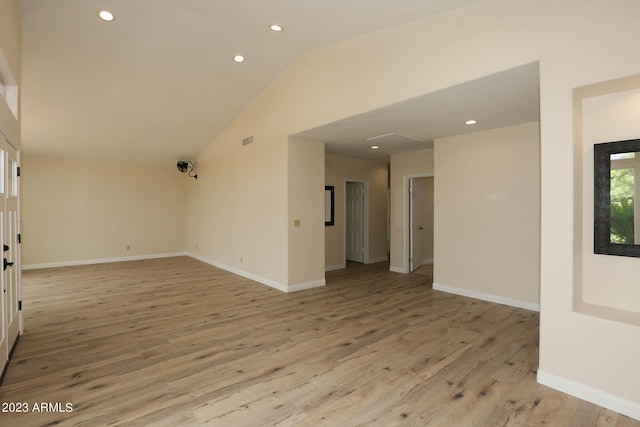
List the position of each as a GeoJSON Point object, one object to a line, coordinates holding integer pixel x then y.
{"type": "Point", "coordinates": [392, 138]}
{"type": "Point", "coordinates": [248, 140]}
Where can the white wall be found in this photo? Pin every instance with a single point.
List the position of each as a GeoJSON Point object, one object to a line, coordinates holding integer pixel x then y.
{"type": "Point", "coordinates": [338, 170]}
{"type": "Point", "coordinates": [80, 211]}
{"type": "Point", "coordinates": [487, 214]}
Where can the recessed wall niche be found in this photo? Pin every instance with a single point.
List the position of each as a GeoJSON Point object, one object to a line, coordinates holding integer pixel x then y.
{"type": "Point", "coordinates": [604, 285]}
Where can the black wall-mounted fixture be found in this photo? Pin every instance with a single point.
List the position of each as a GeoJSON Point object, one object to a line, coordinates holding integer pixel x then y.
{"type": "Point", "coordinates": [188, 167]}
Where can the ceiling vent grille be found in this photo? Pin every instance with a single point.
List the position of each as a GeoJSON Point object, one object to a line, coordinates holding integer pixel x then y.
{"type": "Point", "coordinates": [248, 140]}
{"type": "Point", "coordinates": [392, 138]}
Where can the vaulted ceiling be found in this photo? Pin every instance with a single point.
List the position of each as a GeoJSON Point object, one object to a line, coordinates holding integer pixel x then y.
{"type": "Point", "coordinates": [159, 82]}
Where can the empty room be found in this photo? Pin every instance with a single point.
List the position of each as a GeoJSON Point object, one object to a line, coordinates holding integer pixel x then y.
{"type": "Point", "coordinates": [338, 213]}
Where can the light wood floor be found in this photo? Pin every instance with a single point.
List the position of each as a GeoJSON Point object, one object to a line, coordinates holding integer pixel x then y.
{"type": "Point", "coordinates": [174, 342]}
{"type": "Point", "coordinates": [425, 270]}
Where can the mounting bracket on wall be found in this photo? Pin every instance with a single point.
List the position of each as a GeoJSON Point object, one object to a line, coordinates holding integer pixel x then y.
{"type": "Point", "coordinates": [185, 166]}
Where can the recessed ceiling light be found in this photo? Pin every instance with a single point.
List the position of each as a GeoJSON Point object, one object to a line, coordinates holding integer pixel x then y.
{"type": "Point", "coordinates": [105, 15]}
{"type": "Point", "coordinates": [239, 58]}
{"type": "Point", "coordinates": [276, 28]}
{"type": "Point", "coordinates": [375, 147]}
{"type": "Point", "coordinates": [470, 122]}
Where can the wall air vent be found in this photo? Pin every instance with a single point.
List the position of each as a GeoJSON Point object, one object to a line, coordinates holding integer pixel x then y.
{"type": "Point", "coordinates": [248, 140]}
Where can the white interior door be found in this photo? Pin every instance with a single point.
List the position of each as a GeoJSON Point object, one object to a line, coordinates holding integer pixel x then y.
{"type": "Point", "coordinates": [415, 224]}
{"type": "Point", "coordinates": [11, 253]}
{"type": "Point", "coordinates": [4, 340]}
{"type": "Point", "coordinates": [355, 221]}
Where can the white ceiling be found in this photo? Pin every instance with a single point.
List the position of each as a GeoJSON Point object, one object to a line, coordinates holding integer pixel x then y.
{"type": "Point", "coordinates": [503, 99]}
{"type": "Point", "coordinates": [158, 83]}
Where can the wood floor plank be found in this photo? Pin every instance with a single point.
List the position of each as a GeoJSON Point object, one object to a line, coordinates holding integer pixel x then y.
{"type": "Point", "coordinates": [176, 342]}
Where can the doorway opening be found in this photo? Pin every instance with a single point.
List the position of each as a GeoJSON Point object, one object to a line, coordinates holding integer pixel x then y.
{"type": "Point", "coordinates": [419, 229]}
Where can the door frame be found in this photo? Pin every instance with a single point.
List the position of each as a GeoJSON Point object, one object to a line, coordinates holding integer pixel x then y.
{"type": "Point", "coordinates": [17, 259]}
{"type": "Point", "coordinates": [406, 200]}
{"type": "Point", "coordinates": [415, 218]}
{"type": "Point", "coordinates": [365, 220]}
{"type": "Point", "coordinates": [13, 238]}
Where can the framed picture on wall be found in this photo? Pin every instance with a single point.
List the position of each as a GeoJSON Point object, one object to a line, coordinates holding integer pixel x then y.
{"type": "Point", "coordinates": [328, 205]}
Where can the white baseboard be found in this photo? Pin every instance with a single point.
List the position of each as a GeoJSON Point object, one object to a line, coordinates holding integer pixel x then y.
{"type": "Point", "coordinates": [395, 269]}
{"type": "Point", "coordinates": [487, 297]}
{"type": "Point", "coordinates": [271, 283]}
{"type": "Point", "coordinates": [101, 260]}
{"type": "Point", "coordinates": [590, 394]}
{"type": "Point", "coordinates": [344, 265]}
{"type": "Point", "coordinates": [304, 286]}
{"type": "Point", "coordinates": [427, 261]}
{"type": "Point", "coordinates": [335, 267]}
{"type": "Point", "coordinates": [379, 259]}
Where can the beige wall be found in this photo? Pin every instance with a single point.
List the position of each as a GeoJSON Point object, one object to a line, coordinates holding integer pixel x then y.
{"type": "Point", "coordinates": [242, 205]}
{"type": "Point", "coordinates": [10, 62]}
{"type": "Point", "coordinates": [606, 280]}
{"type": "Point", "coordinates": [338, 170]}
{"type": "Point", "coordinates": [75, 211]}
{"type": "Point", "coordinates": [487, 213]}
{"type": "Point", "coordinates": [238, 210]}
{"type": "Point", "coordinates": [306, 213]}
{"type": "Point", "coordinates": [426, 187]}
{"type": "Point", "coordinates": [404, 165]}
